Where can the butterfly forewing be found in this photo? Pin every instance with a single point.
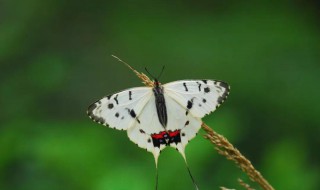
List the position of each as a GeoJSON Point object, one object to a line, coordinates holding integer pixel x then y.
{"type": "Point", "coordinates": [142, 133]}
{"type": "Point", "coordinates": [199, 97]}
{"type": "Point", "coordinates": [120, 110]}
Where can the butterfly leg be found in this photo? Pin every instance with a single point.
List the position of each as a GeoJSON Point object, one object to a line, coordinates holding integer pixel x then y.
{"type": "Point", "coordinates": [193, 181]}
{"type": "Point", "coordinates": [181, 150]}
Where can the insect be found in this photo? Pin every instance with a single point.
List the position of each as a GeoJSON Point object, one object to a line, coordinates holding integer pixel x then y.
{"type": "Point", "coordinates": [161, 115]}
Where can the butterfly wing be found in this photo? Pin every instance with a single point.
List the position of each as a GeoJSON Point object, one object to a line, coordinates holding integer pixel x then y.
{"type": "Point", "coordinates": [132, 110]}
{"type": "Point", "coordinates": [178, 121]}
{"type": "Point", "coordinates": [150, 134]}
{"type": "Point", "coordinates": [120, 110]}
{"type": "Point", "coordinates": [142, 133]}
{"type": "Point", "coordinates": [199, 97]}
{"type": "Point", "coordinates": [187, 102]}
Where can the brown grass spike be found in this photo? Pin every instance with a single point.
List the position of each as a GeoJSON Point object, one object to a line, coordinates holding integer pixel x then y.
{"type": "Point", "coordinates": [145, 79]}
{"type": "Point", "coordinates": [225, 148]}
{"type": "Point", "coordinates": [243, 184]}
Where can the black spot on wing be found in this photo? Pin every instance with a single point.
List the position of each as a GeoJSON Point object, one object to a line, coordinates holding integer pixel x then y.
{"type": "Point", "coordinates": [204, 100]}
{"type": "Point", "coordinates": [224, 85]}
{"type": "Point", "coordinates": [117, 114]}
{"type": "Point", "coordinates": [91, 108]}
{"type": "Point", "coordinates": [187, 123]}
{"type": "Point", "coordinates": [109, 96]}
{"type": "Point", "coordinates": [220, 88]}
{"type": "Point", "coordinates": [206, 89]}
{"type": "Point", "coordinates": [205, 81]}
{"type": "Point", "coordinates": [99, 120]}
{"type": "Point", "coordinates": [142, 131]}
{"type": "Point", "coordinates": [199, 86]}
{"type": "Point", "coordinates": [110, 106]}
{"type": "Point", "coordinates": [130, 95]}
{"type": "Point", "coordinates": [220, 100]}
{"type": "Point", "coordinates": [116, 99]}
{"type": "Point", "coordinates": [132, 113]}
{"type": "Point", "coordinates": [189, 105]}
{"type": "Point", "coordinates": [225, 95]}
{"type": "Point", "coordinates": [94, 117]}
{"type": "Point", "coordinates": [226, 89]}
{"type": "Point", "coordinates": [185, 86]}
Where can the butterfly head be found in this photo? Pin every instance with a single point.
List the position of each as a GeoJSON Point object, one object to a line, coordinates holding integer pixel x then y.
{"type": "Point", "coordinates": [156, 82]}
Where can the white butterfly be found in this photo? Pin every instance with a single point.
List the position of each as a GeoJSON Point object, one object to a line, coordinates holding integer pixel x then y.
{"type": "Point", "coordinates": [162, 115]}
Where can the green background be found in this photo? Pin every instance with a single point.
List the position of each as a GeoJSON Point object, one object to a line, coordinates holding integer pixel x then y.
{"type": "Point", "coordinates": [55, 61]}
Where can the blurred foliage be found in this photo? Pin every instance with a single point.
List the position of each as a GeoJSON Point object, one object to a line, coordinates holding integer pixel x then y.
{"type": "Point", "coordinates": [55, 61]}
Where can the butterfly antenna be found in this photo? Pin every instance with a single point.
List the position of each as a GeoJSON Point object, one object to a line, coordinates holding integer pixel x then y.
{"type": "Point", "coordinates": [149, 73]}
{"type": "Point", "coordinates": [161, 72]}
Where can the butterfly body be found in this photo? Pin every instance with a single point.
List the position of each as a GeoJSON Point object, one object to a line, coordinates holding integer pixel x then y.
{"type": "Point", "coordinates": [160, 103]}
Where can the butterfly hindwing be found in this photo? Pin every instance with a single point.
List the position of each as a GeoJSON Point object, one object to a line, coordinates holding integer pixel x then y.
{"type": "Point", "coordinates": [120, 110]}
{"type": "Point", "coordinates": [152, 136]}
{"type": "Point", "coordinates": [184, 125]}
{"type": "Point", "coordinates": [142, 133]}
{"type": "Point", "coordinates": [199, 97]}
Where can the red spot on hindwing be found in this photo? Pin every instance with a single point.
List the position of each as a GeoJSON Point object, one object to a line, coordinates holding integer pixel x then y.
{"type": "Point", "coordinates": [166, 138]}
{"type": "Point", "coordinates": [174, 133]}
{"type": "Point", "coordinates": [163, 134]}
{"type": "Point", "coordinates": [159, 135]}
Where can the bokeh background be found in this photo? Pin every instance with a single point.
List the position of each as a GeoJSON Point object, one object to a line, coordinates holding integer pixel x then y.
{"type": "Point", "coordinates": [55, 61]}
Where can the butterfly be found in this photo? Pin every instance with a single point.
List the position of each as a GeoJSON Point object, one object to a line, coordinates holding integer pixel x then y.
{"type": "Point", "coordinates": [161, 115]}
